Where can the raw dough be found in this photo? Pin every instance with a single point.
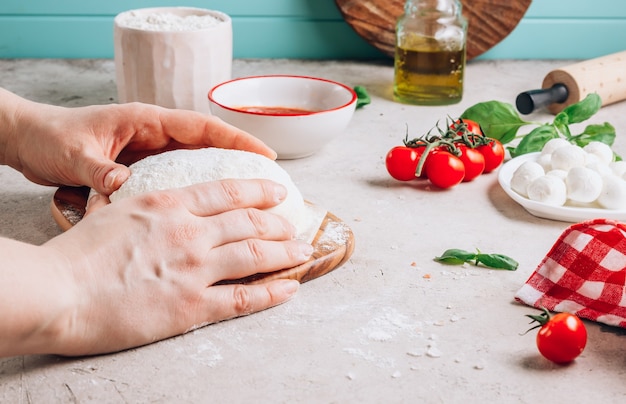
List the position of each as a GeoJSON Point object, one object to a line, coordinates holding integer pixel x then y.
{"type": "Point", "coordinates": [180, 168]}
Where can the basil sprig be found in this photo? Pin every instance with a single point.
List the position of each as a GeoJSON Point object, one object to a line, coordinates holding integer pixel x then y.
{"type": "Point", "coordinates": [455, 256]}
{"type": "Point", "coordinates": [501, 121]}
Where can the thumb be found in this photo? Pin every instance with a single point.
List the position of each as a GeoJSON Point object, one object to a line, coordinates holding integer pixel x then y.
{"type": "Point", "coordinates": [105, 176]}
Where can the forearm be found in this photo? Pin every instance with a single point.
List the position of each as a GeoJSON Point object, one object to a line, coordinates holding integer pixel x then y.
{"type": "Point", "coordinates": [35, 297]}
{"type": "Point", "coordinates": [12, 109]}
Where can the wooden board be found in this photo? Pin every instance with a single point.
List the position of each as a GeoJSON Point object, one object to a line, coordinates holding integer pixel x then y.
{"type": "Point", "coordinates": [333, 242]}
{"type": "Point", "coordinates": [489, 21]}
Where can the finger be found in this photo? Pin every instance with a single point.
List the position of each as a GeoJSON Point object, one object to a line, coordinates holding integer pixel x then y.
{"type": "Point", "coordinates": [103, 175]}
{"type": "Point", "coordinates": [242, 224]}
{"type": "Point", "coordinates": [228, 301]}
{"type": "Point", "coordinates": [193, 128]}
{"type": "Point", "coordinates": [95, 202]}
{"type": "Point", "coordinates": [214, 197]}
{"type": "Point", "coordinates": [248, 257]}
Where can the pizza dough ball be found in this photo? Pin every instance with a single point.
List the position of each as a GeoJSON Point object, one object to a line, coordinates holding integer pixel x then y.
{"type": "Point", "coordinates": [180, 168]}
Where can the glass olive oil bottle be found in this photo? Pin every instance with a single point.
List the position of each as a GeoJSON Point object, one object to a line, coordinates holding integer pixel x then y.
{"type": "Point", "coordinates": [430, 53]}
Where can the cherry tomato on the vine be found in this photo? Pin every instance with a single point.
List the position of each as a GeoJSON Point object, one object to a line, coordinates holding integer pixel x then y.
{"type": "Point", "coordinates": [473, 161]}
{"type": "Point", "coordinates": [472, 126]}
{"type": "Point", "coordinates": [493, 153]}
{"type": "Point", "coordinates": [561, 338]}
{"type": "Point", "coordinates": [444, 169]}
{"type": "Point", "coordinates": [401, 162]}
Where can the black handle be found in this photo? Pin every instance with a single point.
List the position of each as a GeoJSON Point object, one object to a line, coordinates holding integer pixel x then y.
{"type": "Point", "coordinates": [529, 101]}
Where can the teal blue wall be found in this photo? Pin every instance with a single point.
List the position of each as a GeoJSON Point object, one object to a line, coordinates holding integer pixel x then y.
{"type": "Point", "coordinates": [551, 29]}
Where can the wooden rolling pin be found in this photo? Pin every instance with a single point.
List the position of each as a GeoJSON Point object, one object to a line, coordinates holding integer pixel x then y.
{"type": "Point", "coordinates": [605, 76]}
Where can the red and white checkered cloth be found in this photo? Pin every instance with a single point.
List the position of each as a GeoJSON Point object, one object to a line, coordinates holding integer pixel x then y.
{"type": "Point", "coordinates": [584, 274]}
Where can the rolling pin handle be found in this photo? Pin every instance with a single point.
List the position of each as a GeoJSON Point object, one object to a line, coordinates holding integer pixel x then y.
{"type": "Point", "coordinates": [530, 101]}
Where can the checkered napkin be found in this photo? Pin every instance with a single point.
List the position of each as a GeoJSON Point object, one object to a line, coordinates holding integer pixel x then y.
{"type": "Point", "coordinates": [584, 274]}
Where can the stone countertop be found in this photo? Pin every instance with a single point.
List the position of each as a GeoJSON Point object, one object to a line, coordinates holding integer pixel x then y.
{"type": "Point", "coordinates": [390, 325]}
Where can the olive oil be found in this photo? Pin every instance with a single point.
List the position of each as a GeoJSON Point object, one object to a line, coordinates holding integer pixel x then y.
{"type": "Point", "coordinates": [429, 76]}
{"type": "Point", "coordinates": [430, 53]}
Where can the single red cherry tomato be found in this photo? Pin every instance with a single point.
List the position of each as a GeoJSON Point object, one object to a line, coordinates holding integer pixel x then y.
{"type": "Point", "coordinates": [493, 153]}
{"type": "Point", "coordinates": [472, 126]}
{"type": "Point", "coordinates": [444, 169]}
{"type": "Point", "coordinates": [401, 162]}
{"type": "Point", "coordinates": [561, 338]}
{"type": "Point", "coordinates": [473, 161]}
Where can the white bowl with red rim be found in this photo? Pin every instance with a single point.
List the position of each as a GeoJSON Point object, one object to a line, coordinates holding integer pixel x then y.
{"type": "Point", "coordinates": [294, 115]}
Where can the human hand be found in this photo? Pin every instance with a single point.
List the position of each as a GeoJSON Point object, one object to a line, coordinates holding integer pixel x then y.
{"type": "Point", "coordinates": [145, 267]}
{"type": "Point", "coordinates": [79, 146]}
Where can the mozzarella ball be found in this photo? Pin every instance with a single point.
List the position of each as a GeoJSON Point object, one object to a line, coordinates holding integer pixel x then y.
{"type": "Point", "coordinates": [553, 144]}
{"type": "Point", "coordinates": [561, 174]}
{"type": "Point", "coordinates": [567, 157]}
{"type": "Point", "coordinates": [524, 175]}
{"type": "Point", "coordinates": [618, 167]}
{"type": "Point", "coordinates": [601, 150]}
{"type": "Point", "coordinates": [594, 163]}
{"type": "Point", "coordinates": [548, 189]}
{"type": "Point", "coordinates": [613, 194]}
{"type": "Point", "coordinates": [545, 161]}
{"type": "Point", "coordinates": [583, 184]}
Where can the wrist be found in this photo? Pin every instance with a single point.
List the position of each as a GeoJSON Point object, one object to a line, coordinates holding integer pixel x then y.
{"type": "Point", "coordinates": [10, 107]}
{"type": "Point", "coordinates": [37, 299]}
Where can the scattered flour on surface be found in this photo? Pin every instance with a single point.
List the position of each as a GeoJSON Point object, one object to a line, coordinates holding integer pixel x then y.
{"type": "Point", "coordinates": [206, 353]}
{"type": "Point", "coordinates": [379, 361]}
{"type": "Point", "coordinates": [167, 21]}
{"type": "Point", "coordinates": [387, 325]}
{"type": "Point", "coordinates": [335, 233]}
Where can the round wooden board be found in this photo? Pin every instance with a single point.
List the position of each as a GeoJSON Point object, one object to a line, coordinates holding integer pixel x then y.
{"type": "Point", "coordinates": [490, 21]}
{"type": "Point", "coordinates": [333, 242]}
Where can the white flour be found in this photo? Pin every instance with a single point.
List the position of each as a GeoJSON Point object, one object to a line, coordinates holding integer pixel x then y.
{"type": "Point", "coordinates": [167, 21]}
{"type": "Point", "coordinates": [336, 233]}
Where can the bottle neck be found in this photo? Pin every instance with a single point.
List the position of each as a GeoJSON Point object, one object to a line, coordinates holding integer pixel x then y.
{"type": "Point", "coordinates": [433, 7]}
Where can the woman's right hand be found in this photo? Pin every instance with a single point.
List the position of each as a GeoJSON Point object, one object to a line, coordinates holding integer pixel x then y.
{"type": "Point", "coordinates": [144, 268]}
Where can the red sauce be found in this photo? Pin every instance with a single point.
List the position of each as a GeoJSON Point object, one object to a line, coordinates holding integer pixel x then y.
{"type": "Point", "coordinates": [276, 110]}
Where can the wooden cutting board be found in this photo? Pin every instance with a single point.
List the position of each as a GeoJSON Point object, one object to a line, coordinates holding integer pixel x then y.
{"type": "Point", "coordinates": [333, 242]}
{"type": "Point", "coordinates": [490, 21]}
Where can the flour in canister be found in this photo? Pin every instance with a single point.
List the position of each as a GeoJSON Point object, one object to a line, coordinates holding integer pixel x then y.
{"type": "Point", "coordinates": [180, 168]}
{"type": "Point", "coordinates": [166, 21]}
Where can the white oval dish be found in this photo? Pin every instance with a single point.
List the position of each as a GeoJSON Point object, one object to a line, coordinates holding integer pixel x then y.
{"type": "Point", "coordinates": [543, 210]}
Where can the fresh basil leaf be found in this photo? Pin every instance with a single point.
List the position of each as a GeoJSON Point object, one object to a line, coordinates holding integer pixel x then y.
{"type": "Point", "coordinates": [497, 261]}
{"type": "Point", "coordinates": [363, 97]}
{"type": "Point", "coordinates": [535, 140]}
{"type": "Point", "coordinates": [604, 133]}
{"type": "Point", "coordinates": [561, 123]}
{"type": "Point", "coordinates": [455, 256]}
{"type": "Point", "coordinates": [582, 110]}
{"type": "Point", "coordinates": [498, 120]}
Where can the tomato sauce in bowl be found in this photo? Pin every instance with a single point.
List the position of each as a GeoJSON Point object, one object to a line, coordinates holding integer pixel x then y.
{"type": "Point", "coordinates": [276, 110]}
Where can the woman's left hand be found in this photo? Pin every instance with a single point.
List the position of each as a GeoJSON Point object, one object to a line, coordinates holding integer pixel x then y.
{"type": "Point", "coordinates": [92, 145]}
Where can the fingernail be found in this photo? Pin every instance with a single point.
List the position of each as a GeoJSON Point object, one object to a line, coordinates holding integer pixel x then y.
{"type": "Point", "coordinates": [110, 177]}
{"type": "Point", "coordinates": [113, 177]}
{"type": "Point", "coordinates": [306, 250]}
{"type": "Point", "coordinates": [290, 286]}
{"type": "Point", "coordinates": [93, 199]}
{"type": "Point", "coordinates": [280, 193]}
{"type": "Point", "coordinates": [90, 202]}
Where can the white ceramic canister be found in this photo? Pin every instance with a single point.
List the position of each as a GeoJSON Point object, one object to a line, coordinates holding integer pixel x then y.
{"type": "Point", "coordinates": [172, 56]}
